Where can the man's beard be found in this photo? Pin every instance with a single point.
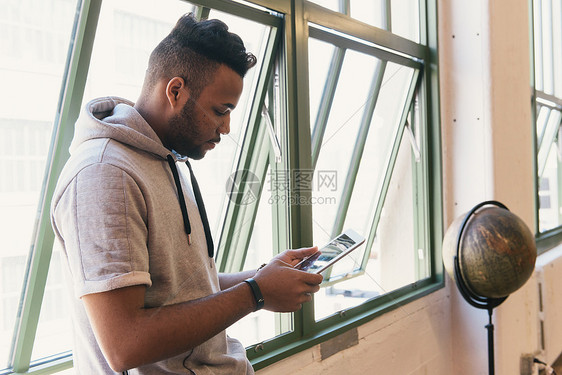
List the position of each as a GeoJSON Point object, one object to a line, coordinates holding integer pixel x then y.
{"type": "Point", "coordinates": [183, 131]}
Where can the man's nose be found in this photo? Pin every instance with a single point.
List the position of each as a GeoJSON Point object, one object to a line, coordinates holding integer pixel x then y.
{"type": "Point", "coordinates": [224, 128]}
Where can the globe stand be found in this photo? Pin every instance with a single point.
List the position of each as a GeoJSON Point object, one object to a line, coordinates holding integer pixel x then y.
{"type": "Point", "coordinates": [471, 297]}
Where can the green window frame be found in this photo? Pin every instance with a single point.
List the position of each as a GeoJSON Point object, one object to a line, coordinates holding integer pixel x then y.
{"type": "Point", "coordinates": [546, 99]}
{"type": "Point", "coordinates": [307, 331]}
{"type": "Point", "coordinates": [278, 138]}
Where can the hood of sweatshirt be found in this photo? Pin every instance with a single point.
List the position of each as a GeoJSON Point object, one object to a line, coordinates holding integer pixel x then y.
{"type": "Point", "coordinates": [104, 118]}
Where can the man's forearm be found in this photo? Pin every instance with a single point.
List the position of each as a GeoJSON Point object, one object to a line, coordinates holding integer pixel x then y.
{"type": "Point", "coordinates": [228, 280]}
{"type": "Point", "coordinates": [131, 336]}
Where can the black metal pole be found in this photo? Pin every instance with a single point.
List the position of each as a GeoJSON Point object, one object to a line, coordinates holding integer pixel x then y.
{"type": "Point", "coordinates": [490, 328]}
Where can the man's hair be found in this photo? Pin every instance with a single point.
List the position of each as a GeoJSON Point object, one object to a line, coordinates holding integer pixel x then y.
{"type": "Point", "coordinates": [194, 50]}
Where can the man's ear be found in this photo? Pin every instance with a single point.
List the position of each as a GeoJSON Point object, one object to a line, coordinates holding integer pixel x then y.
{"type": "Point", "coordinates": [177, 92]}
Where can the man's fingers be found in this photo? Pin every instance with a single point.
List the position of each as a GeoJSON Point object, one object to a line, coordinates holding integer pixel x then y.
{"type": "Point", "coordinates": [299, 254]}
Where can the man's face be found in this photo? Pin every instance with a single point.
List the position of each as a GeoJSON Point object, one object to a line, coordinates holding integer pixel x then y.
{"type": "Point", "coordinates": [198, 127]}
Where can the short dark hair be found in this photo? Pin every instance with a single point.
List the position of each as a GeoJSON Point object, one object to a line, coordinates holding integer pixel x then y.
{"type": "Point", "coordinates": [194, 50]}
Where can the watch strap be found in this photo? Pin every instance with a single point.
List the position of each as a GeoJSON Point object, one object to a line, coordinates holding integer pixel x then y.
{"type": "Point", "coordinates": [256, 292]}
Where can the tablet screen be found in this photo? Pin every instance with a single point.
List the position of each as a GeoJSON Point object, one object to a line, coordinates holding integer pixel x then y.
{"type": "Point", "coordinates": [326, 256]}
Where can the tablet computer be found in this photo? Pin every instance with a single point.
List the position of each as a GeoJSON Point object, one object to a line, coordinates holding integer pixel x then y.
{"type": "Point", "coordinates": [333, 251]}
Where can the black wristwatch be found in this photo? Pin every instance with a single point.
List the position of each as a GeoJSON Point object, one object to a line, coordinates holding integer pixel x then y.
{"type": "Point", "coordinates": [257, 293]}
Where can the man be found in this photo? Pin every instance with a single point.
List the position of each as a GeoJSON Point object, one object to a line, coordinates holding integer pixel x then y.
{"type": "Point", "coordinates": [148, 299]}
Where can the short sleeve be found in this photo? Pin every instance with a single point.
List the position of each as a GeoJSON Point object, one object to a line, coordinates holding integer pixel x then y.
{"type": "Point", "coordinates": [101, 218]}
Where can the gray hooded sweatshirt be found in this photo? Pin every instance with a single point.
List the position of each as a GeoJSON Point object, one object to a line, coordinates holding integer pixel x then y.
{"type": "Point", "coordinates": [116, 213]}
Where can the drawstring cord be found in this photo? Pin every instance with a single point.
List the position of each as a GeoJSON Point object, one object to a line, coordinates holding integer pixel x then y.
{"type": "Point", "coordinates": [183, 206]}
{"type": "Point", "coordinates": [202, 212]}
{"type": "Point", "coordinates": [186, 224]}
{"type": "Point", "coordinates": [200, 205]}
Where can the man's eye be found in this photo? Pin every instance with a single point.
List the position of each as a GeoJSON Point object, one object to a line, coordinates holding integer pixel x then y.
{"type": "Point", "coordinates": [223, 112]}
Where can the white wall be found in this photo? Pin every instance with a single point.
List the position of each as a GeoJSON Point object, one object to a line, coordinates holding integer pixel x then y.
{"type": "Point", "coordinates": [485, 69]}
{"type": "Point", "coordinates": [487, 154]}
{"type": "Point", "coordinates": [549, 269]}
{"type": "Point", "coordinates": [414, 339]}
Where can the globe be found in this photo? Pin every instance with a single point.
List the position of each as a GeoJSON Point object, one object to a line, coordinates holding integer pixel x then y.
{"type": "Point", "coordinates": [497, 252]}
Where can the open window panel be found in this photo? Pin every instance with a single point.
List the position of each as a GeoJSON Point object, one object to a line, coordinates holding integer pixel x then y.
{"type": "Point", "coordinates": [255, 222]}
{"type": "Point", "coordinates": [223, 173]}
{"type": "Point", "coordinates": [262, 226]}
{"type": "Point", "coordinates": [367, 158]}
{"type": "Point", "coordinates": [549, 166]}
{"type": "Point", "coordinates": [260, 231]}
{"type": "Point", "coordinates": [547, 48]}
{"type": "Point", "coordinates": [255, 229]}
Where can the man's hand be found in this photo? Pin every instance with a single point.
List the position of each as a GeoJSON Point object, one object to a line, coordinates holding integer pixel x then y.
{"type": "Point", "coordinates": [293, 257]}
{"type": "Point", "coordinates": [285, 288]}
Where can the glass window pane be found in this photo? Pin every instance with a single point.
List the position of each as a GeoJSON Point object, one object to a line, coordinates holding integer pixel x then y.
{"type": "Point", "coordinates": [548, 137]}
{"type": "Point", "coordinates": [547, 50]}
{"type": "Point", "coordinates": [319, 53]}
{"type": "Point", "coordinates": [371, 12]}
{"type": "Point", "coordinates": [341, 133]}
{"type": "Point", "coordinates": [393, 258]}
{"type": "Point", "coordinates": [263, 325]}
{"type": "Point", "coordinates": [543, 113]}
{"type": "Point", "coordinates": [538, 45]}
{"type": "Point", "coordinates": [404, 14]}
{"type": "Point", "coordinates": [382, 131]}
{"type": "Point", "coordinates": [548, 195]}
{"type": "Point", "coordinates": [12, 271]}
{"type": "Point", "coordinates": [127, 32]}
{"type": "Point", "coordinates": [406, 19]}
{"type": "Point", "coordinates": [260, 249]}
{"type": "Point", "coordinates": [215, 168]}
{"type": "Point", "coordinates": [550, 173]}
{"type": "Point", "coordinates": [557, 46]}
{"type": "Point", "coordinates": [54, 332]}
{"type": "Point", "coordinates": [355, 89]}
{"type": "Point", "coordinates": [548, 80]}
{"type": "Point", "coordinates": [34, 39]}
{"type": "Point", "coordinates": [550, 131]}
{"type": "Point", "coordinates": [334, 5]}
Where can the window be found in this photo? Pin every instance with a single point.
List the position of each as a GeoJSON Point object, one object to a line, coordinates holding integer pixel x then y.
{"type": "Point", "coordinates": [337, 128]}
{"type": "Point", "coordinates": [34, 39]}
{"type": "Point", "coordinates": [547, 37]}
{"type": "Point", "coordinates": [357, 147]}
{"type": "Point", "coordinates": [403, 14]}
